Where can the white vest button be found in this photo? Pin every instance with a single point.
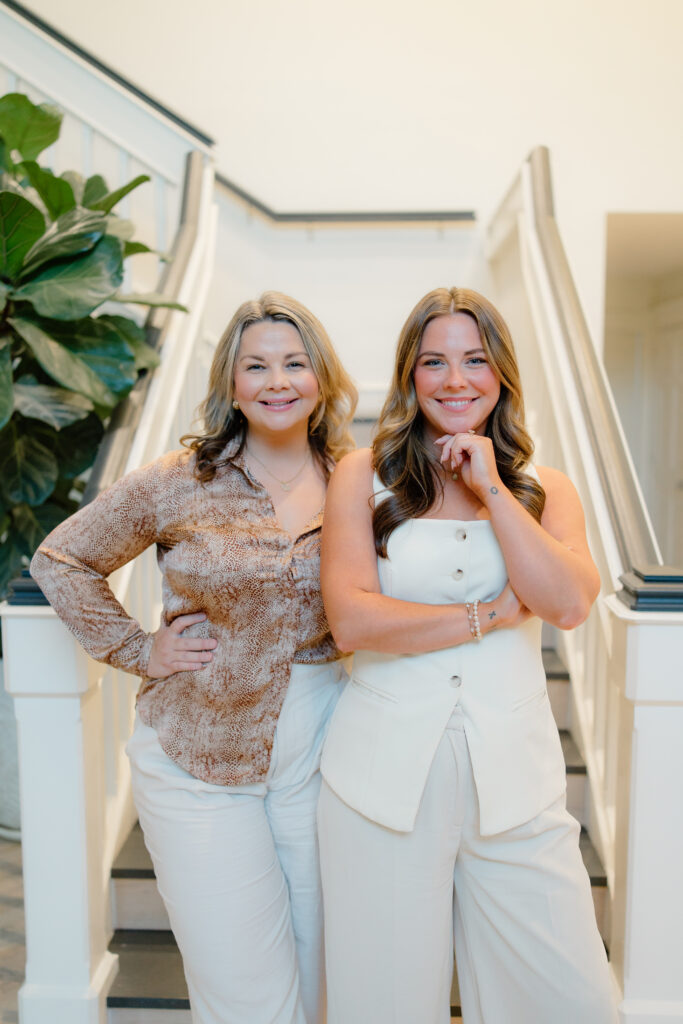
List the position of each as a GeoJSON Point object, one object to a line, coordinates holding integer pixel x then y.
{"type": "Point", "coordinates": [456, 681]}
{"type": "Point", "coordinates": [458, 574]}
{"type": "Point", "coordinates": [461, 534]}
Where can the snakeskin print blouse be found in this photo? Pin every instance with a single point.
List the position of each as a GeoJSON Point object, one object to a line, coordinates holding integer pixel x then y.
{"type": "Point", "coordinates": [221, 551]}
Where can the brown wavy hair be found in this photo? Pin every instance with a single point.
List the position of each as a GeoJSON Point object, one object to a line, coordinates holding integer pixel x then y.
{"type": "Point", "coordinates": [401, 458]}
{"type": "Point", "coordinates": [329, 426]}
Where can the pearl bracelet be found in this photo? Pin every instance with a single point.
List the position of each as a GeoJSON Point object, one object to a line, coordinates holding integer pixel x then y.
{"type": "Point", "coordinates": [473, 618]}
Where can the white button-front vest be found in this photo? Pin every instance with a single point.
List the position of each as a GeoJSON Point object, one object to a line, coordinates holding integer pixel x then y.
{"type": "Point", "coordinates": [392, 713]}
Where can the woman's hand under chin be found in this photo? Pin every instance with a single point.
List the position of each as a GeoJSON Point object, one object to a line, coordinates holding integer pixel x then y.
{"type": "Point", "coordinates": [472, 458]}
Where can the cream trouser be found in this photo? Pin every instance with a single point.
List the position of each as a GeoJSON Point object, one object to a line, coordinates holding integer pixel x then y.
{"type": "Point", "coordinates": [517, 903]}
{"type": "Point", "coordinates": [237, 867]}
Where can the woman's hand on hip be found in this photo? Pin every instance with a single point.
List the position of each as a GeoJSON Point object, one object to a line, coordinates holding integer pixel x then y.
{"type": "Point", "coordinates": [172, 652]}
{"type": "Point", "coordinates": [472, 457]}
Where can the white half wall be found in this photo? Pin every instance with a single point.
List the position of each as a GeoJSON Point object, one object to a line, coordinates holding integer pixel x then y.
{"type": "Point", "coordinates": [360, 281]}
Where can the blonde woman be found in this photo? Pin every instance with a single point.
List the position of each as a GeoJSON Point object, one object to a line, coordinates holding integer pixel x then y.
{"type": "Point", "coordinates": [240, 679]}
{"type": "Point", "coordinates": [443, 811]}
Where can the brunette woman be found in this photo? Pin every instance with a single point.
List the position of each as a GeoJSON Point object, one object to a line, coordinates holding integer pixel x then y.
{"type": "Point", "coordinates": [240, 679]}
{"type": "Point", "coordinates": [443, 811]}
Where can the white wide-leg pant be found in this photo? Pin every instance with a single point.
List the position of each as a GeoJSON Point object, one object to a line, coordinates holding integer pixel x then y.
{"type": "Point", "coordinates": [237, 867]}
{"type": "Point", "coordinates": [518, 903]}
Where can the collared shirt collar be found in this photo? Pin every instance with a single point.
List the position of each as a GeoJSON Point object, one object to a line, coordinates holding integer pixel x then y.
{"type": "Point", "coordinates": [231, 453]}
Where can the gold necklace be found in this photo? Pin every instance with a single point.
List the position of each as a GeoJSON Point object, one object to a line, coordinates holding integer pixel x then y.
{"type": "Point", "coordinates": [286, 485]}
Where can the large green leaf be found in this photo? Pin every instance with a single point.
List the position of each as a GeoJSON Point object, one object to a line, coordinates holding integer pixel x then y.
{"type": "Point", "coordinates": [77, 184]}
{"type": "Point", "coordinates": [25, 190]}
{"type": "Point", "coordinates": [145, 356]}
{"type": "Point", "coordinates": [21, 224]}
{"type": "Point", "coordinates": [6, 399]}
{"type": "Point", "coordinates": [66, 491]}
{"type": "Point", "coordinates": [71, 290]}
{"type": "Point", "coordinates": [31, 525]}
{"type": "Point", "coordinates": [76, 446]}
{"type": "Point", "coordinates": [29, 471]}
{"type": "Point", "coordinates": [95, 188]}
{"type": "Point", "coordinates": [101, 347]}
{"type": "Point", "coordinates": [133, 248]}
{"type": "Point", "coordinates": [76, 232]}
{"type": "Point", "coordinates": [56, 193]}
{"type": "Point", "coordinates": [119, 227]}
{"type": "Point", "coordinates": [5, 291]}
{"type": "Point", "coordinates": [27, 127]}
{"type": "Point", "coordinates": [61, 364]}
{"type": "Point", "coordinates": [55, 406]}
{"type": "Point", "coordinates": [106, 203]}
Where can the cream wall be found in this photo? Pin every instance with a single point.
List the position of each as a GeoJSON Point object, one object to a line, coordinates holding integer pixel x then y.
{"type": "Point", "coordinates": [644, 360]}
{"type": "Point", "coordinates": [393, 104]}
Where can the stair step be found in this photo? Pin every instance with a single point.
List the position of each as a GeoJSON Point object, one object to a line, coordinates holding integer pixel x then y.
{"type": "Point", "coordinates": [553, 664]}
{"type": "Point", "coordinates": [572, 758]}
{"type": "Point", "coordinates": [557, 681]}
{"type": "Point", "coordinates": [577, 779]}
{"type": "Point", "coordinates": [598, 880]}
{"type": "Point", "coordinates": [133, 860]}
{"type": "Point", "coordinates": [591, 861]}
{"type": "Point", "coordinates": [142, 1015]}
{"type": "Point", "coordinates": [150, 986]}
{"type": "Point", "coordinates": [136, 903]}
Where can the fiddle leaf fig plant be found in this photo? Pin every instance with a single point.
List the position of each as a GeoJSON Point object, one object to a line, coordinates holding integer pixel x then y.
{"type": "Point", "coordinates": [64, 364]}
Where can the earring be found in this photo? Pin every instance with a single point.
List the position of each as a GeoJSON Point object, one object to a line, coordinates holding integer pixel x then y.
{"type": "Point", "coordinates": [235, 404]}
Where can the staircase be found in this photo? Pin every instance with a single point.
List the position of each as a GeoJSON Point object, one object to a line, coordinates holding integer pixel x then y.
{"type": "Point", "coordinates": [623, 711]}
{"type": "Point", "coordinates": [150, 986]}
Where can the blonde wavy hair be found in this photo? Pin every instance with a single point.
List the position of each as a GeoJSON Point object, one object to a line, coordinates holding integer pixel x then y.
{"type": "Point", "coordinates": [404, 463]}
{"type": "Point", "coordinates": [329, 425]}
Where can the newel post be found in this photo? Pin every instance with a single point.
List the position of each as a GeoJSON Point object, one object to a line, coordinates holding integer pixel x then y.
{"type": "Point", "coordinates": [58, 708]}
{"type": "Point", "coordinates": [647, 921]}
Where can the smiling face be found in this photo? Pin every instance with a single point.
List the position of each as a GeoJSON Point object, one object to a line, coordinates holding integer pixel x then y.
{"type": "Point", "coordinates": [274, 381]}
{"type": "Point", "coordinates": [456, 388]}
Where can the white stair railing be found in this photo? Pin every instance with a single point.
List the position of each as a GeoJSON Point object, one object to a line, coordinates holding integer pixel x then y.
{"type": "Point", "coordinates": [627, 683]}
{"type": "Point", "coordinates": [74, 716]}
